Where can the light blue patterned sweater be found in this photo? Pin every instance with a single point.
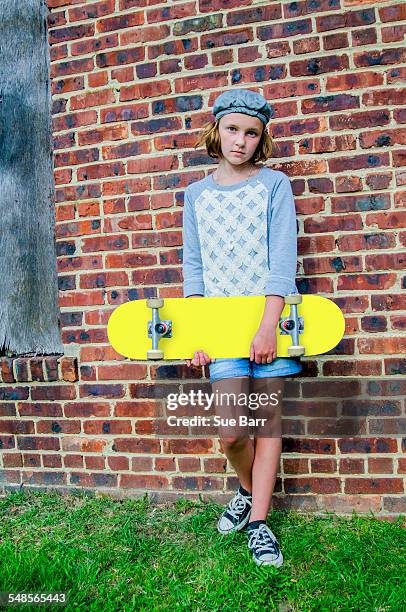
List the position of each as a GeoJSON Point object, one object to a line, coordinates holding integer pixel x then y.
{"type": "Point", "coordinates": [240, 239]}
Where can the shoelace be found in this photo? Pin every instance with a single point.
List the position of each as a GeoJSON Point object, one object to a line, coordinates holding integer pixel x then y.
{"type": "Point", "coordinates": [237, 505]}
{"type": "Point", "coordinates": [262, 540]}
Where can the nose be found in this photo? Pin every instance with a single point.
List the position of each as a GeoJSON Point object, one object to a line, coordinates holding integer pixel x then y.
{"type": "Point", "coordinates": [240, 142]}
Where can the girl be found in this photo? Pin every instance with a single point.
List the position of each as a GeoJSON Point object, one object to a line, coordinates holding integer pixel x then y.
{"type": "Point", "coordinates": [239, 238]}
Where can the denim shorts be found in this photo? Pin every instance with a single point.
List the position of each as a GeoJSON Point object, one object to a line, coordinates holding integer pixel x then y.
{"type": "Point", "coordinates": [230, 368]}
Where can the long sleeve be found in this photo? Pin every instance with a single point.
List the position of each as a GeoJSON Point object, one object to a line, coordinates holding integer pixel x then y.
{"type": "Point", "coordinates": [193, 283]}
{"type": "Point", "coordinates": [282, 241]}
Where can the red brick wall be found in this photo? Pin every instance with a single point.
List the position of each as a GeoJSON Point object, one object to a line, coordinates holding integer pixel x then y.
{"type": "Point", "coordinates": [133, 81]}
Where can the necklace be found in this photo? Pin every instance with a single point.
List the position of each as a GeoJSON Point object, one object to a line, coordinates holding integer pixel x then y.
{"type": "Point", "coordinates": [247, 179]}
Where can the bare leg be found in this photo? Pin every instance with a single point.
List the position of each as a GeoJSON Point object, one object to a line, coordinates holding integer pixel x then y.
{"type": "Point", "coordinates": [268, 446]}
{"type": "Point", "coordinates": [236, 442]}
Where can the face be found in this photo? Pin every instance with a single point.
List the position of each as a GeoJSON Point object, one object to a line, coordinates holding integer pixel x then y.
{"type": "Point", "coordinates": [239, 133]}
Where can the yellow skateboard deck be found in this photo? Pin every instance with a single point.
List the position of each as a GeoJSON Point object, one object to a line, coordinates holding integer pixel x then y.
{"type": "Point", "coordinates": [222, 327]}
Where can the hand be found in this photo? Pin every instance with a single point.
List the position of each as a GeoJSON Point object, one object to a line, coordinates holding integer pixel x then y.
{"type": "Point", "coordinates": [263, 346]}
{"type": "Point", "coordinates": [200, 359]}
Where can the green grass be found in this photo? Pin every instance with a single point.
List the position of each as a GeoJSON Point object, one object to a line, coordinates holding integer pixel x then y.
{"type": "Point", "coordinates": [134, 555]}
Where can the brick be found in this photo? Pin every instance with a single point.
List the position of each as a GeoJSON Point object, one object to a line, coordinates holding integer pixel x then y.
{"type": "Point", "coordinates": [306, 45]}
{"type": "Point", "coordinates": [83, 445]}
{"type": "Point", "coordinates": [312, 485]}
{"type": "Point", "coordinates": [326, 265]}
{"type": "Point", "coordinates": [322, 104]}
{"type": "Point", "coordinates": [56, 427]}
{"type": "Point", "coordinates": [136, 445]}
{"type": "Point", "coordinates": [319, 65]}
{"type": "Point", "coordinates": [99, 98]}
{"type": "Point", "coordinates": [387, 220]}
{"type": "Point", "coordinates": [359, 120]}
{"type": "Point", "coordinates": [114, 132]}
{"type": "Point", "coordinates": [367, 445]}
{"type": "Point", "coordinates": [373, 485]}
{"type": "Point", "coordinates": [392, 13]}
{"type": "Point", "coordinates": [184, 446]}
{"type": "Point", "coordinates": [323, 466]}
{"type": "Point", "coordinates": [43, 478]}
{"type": "Point", "coordinates": [395, 366]}
{"type": "Point", "coordinates": [118, 464]}
{"type": "Point", "coordinates": [395, 504]}
{"type": "Point", "coordinates": [385, 261]}
{"type": "Point", "coordinates": [360, 203]}
{"type": "Point", "coordinates": [351, 466]}
{"type": "Point", "coordinates": [69, 84]}
{"type": "Point", "coordinates": [91, 10]}
{"type": "Point", "coordinates": [370, 282]}
{"type": "Point", "coordinates": [197, 483]}
{"type": "Point", "coordinates": [73, 461]}
{"type": "Point", "coordinates": [380, 57]}
{"type": "Point", "coordinates": [141, 481]}
{"type": "Point", "coordinates": [332, 223]}
{"type": "Point", "coordinates": [137, 409]}
{"type": "Point", "coordinates": [357, 162]}
{"type": "Point", "coordinates": [345, 19]}
{"type": "Point", "coordinates": [105, 391]}
{"type": "Point", "coordinates": [327, 143]}
{"type": "Point", "coordinates": [38, 443]}
{"type": "Point", "coordinates": [51, 461]}
{"type": "Point", "coordinates": [95, 463]}
{"type": "Point", "coordinates": [107, 427]}
{"type": "Point", "coordinates": [8, 410]}
{"type": "Point", "coordinates": [6, 371]}
{"type": "Point", "coordinates": [385, 302]}
{"type": "Point", "coordinates": [360, 242]}
{"type": "Point", "coordinates": [348, 503]}
{"type": "Point", "coordinates": [374, 323]}
{"type": "Point", "coordinates": [118, 58]}
{"type": "Point", "coordinates": [69, 369]}
{"type": "Point", "coordinates": [352, 368]}
{"type": "Point", "coordinates": [308, 445]}
{"type": "Point", "coordinates": [31, 460]}
{"type": "Point", "coordinates": [72, 67]}
{"type": "Point", "coordinates": [382, 138]}
{"type": "Point", "coordinates": [315, 244]}
{"type": "Point", "coordinates": [355, 80]}
{"type": "Point", "coordinates": [58, 35]}
{"type": "Point", "coordinates": [93, 480]}
{"type": "Point", "coordinates": [16, 427]}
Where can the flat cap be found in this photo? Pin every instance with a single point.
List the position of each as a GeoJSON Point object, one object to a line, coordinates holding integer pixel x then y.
{"type": "Point", "coordinates": [242, 101]}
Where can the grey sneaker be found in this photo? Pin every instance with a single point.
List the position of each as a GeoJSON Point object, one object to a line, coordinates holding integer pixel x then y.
{"type": "Point", "coordinates": [236, 515]}
{"type": "Point", "coordinates": [264, 546]}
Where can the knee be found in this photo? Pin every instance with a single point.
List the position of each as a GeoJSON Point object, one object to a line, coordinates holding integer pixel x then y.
{"type": "Point", "coordinates": [234, 443]}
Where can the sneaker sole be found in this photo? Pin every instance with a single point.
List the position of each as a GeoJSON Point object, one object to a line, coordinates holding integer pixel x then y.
{"type": "Point", "coordinates": [237, 528]}
{"type": "Point", "coordinates": [277, 563]}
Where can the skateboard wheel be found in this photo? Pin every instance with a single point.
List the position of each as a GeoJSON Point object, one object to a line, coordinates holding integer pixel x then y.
{"type": "Point", "coordinates": [293, 298]}
{"type": "Point", "coordinates": [288, 325]}
{"type": "Point", "coordinates": [155, 302]}
{"type": "Point", "coordinates": [155, 354]}
{"type": "Point", "coordinates": [296, 351]}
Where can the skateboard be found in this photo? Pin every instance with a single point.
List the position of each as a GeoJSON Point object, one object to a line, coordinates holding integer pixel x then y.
{"type": "Point", "coordinates": [222, 327]}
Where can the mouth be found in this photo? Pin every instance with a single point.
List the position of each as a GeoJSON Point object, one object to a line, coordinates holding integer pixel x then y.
{"type": "Point", "coordinates": [237, 152]}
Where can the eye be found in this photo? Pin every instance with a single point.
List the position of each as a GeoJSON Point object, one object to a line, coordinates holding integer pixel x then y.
{"type": "Point", "coordinates": [249, 132]}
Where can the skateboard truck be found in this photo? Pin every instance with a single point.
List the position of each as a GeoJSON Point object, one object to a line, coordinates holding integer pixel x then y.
{"type": "Point", "coordinates": [293, 325]}
{"type": "Point", "coordinates": [157, 329]}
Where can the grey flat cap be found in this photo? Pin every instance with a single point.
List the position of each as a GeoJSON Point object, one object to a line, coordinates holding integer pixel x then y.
{"type": "Point", "coordinates": [242, 101]}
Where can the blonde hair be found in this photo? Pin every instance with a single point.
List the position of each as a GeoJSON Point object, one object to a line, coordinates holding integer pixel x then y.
{"type": "Point", "coordinates": [210, 138]}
